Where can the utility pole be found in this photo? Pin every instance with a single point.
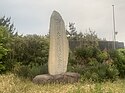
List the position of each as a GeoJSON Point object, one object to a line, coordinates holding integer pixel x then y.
{"type": "Point", "coordinates": [114, 39]}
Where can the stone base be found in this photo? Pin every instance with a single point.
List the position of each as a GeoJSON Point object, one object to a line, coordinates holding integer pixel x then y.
{"type": "Point", "coordinates": [68, 77]}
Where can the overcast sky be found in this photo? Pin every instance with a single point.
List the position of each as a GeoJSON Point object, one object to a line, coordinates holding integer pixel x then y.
{"type": "Point", "coordinates": [32, 16]}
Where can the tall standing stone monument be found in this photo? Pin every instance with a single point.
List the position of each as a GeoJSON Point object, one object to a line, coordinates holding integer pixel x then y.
{"type": "Point", "coordinates": [59, 47]}
{"type": "Point", "coordinates": [58, 55]}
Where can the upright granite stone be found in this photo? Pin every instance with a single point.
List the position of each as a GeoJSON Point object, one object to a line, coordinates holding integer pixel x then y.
{"type": "Point", "coordinates": [58, 55]}
{"type": "Point", "coordinates": [59, 47]}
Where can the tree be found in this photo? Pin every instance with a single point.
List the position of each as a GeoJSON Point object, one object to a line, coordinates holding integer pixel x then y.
{"type": "Point", "coordinates": [30, 49]}
{"type": "Point", "coordinates": [72, 33]}
{"type": "Point", "coordinates": [3, 50]}
{"type": "Point", "coordinates": [5, 22]}
{"type": "Point", "coordinates": [9, 36]}
{"type": "Point", "coordinates": [90, 39]}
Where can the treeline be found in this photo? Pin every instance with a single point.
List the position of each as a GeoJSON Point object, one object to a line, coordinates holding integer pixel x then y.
{"type": "Point", "coordinates": [92, 62]}
{"type": "Point", "coordinates": [18, 52]}
{"type": "Point", "coordinates": [27, 55]}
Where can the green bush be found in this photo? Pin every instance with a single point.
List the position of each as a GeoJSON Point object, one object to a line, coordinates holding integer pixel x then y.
{"type": "Point", "coordinates": [71, 59]}
{"type": "Point", "coordinates": [30, 71]}
{"type": "Point", "coordinates": [97, 65]}
{"type": "Point", "coordinates": [3, 49]}
{"type": "Point", "coordinates": [95, 73]}
{"type": "Point", "coordinates": [112, 72]}
{"type": "Point", "coordinates": [76, 68]}
{"type": "Point", "coordinates": [86, 55]}
{"type": "Point", "coordinates": [100, 72]}
{"type": "Point", "coordinates": [92, 62]}
{"type": "Point", "coordinates": [9, 64]}
{"type": "Point", "coordinates": [30, 49]}
{"type": "Point", "coordinates": [119, 61]}
{"type": "Point", "coordinates": [83, 55]}
{"type": "Point", "coordinates": [84, 52]}
{"type": "Point", "coordinates": [102, 56]}
{"type": "Point", "coordinates": [39, 69]}
{"type": "Point", "coordinates": [3, 52]}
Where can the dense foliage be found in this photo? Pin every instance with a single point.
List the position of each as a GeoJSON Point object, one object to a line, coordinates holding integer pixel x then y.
{"type": "Point", "coordinates": [6, 38]}
{"type": "Point", "coordinates": [30, 49]}
{"type": "Point", "coordinates": [28, 55]}
{"type": "Point", "coordinates": [93, 64]}
{"type": "Point", "coordinates": [18, 52]}
{"type": "Point", "coordinates": [118, 57]}
{"type": "Point", "coordinates": [5, 22]}
{"type": "Point", "coordinates": [3, 49]}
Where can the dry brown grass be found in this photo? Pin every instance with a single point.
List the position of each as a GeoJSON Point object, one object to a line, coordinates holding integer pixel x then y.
{"type": "Point", "coordinates": [10, 83]}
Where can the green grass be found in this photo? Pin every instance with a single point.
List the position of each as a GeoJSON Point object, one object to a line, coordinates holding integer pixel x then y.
{"type": "Point", "coordinates": [10, 83]}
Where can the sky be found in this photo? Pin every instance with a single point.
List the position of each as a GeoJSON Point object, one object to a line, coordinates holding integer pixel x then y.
{"type": "Point", "coordinates": [33, 16]}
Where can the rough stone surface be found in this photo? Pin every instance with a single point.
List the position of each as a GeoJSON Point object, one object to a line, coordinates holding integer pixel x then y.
{"type": "Point", "coordinates": [43, 79]}
{"type": "Point", "coordinates": [68, 77]}
{"type": "Point", "coordinates": [59, 47]}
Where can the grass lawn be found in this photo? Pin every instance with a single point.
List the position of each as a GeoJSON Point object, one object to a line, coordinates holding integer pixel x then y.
{"type": "Point", "coordinates": [10, 83]}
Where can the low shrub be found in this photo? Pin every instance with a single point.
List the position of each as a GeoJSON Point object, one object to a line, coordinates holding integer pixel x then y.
{"type": "Point", "coordinates": [76, 68]}
{"type": "Point", "coordinates": [30, 71]}
{"type": "Point", "coordinates": [100, 72]}
{"type": "Point", "coordinates": [112, 72]}
{"type": "Point", "coordinates": [102, 56]}
{"type": "Point", "coordinates": [3, 52]}
{"type": "Point", "coordinates": [118, 57]}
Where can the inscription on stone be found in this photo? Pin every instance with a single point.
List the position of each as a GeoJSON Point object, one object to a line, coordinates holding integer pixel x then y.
{"type": "Point", "coordinates": [59, 47]}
